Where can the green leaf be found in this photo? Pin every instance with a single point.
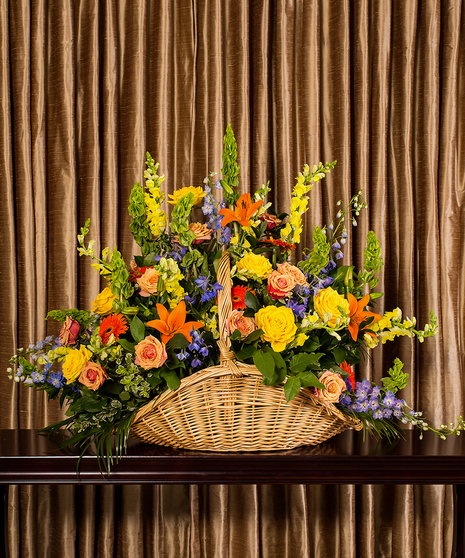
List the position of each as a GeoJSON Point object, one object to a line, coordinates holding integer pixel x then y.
{"type": "Point", "coordinates": [292, 387]}
{"type": "Point", "coordinates": [251, 301]}
{"type": "Point", "coordinates": [153, 380]}
{"type": "Point", "coordinates": [302, 361]}
{"type": "Point", "coordinates": [280, 364]}
{"type": "Point", "coordinates": [127, 345]}
{"type": "Point", "coordinates": [112, 387]}
{"type": "Point", "coordinates": [266, 364]}
{"type": "Point", "coordinates": [309, 379]}
{"type": "Point", "coordinates": [124, 396]}
{"type": "Point", "coordinates": [235, 335]}
{"type": "Point", "coordinates": [253, 336]}
{"type": "Point", "coordinates": [137, 329]}
{"type": "Point", "coordinates": [340, 354]}
{"type": "Point", "coordinates": [246, 352]}
{"type": "Point", "coordinates": [171, 379]}
{"type": "Point", "coordinates": [88, 403]}
{"type": "Point", "coordinates": [178, 341]}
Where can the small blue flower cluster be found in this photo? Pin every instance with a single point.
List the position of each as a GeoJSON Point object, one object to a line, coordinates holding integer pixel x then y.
{"type": "Point", "coordinates": [197, 347]}
{"type": "Point", "coordinates": [34, 352]}
{"type": "Point", "coordinates": [209, 290]}
{"type": "Point", "coordinates": [177, 255]}
{"type": "Point", "coordinates": [373, 400]}
{"type": "Point", "coordinates": [323, 280]}
{"type": "Point", "coordinates": [210, 208]}
{"type": "Point", "coordinates": [299, 301]}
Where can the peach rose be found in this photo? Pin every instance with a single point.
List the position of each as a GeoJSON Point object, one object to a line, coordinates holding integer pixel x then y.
{"type": "Point", "coordinates": [150, 353]}
{"type": "Point", "coordinates": [69, 332]}
{"type": "Point", "coordinates": [237, 320]}
{"type": "Point", "coordinates": [280, 285]}
{"type": "Point", "coordinates": [148, 282]}
{"type": "Point", "coordinates": [92, 375]}
{"type": "Point", "coordinates": [334, 384]}
{"type": "Point", "coordinates": [201, 231]}
{"type": "Point", "coordinates": [288, 269]}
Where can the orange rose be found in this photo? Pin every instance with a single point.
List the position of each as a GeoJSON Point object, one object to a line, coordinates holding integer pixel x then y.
{"type": "Point", "coordinates": [288, 269]}
{"type": "Point", "coordinates": [150, 353]}
{"type": "Point", "coordinates": [92, 375]}
{"type": "Point", "coordinates": [280, 285]}
{"type": "Point", "coordinates": [334, 385]}
{"type": "Point", "coordinates": [237, 320]}
{"type": "Point", "coordinates": [148, 282]}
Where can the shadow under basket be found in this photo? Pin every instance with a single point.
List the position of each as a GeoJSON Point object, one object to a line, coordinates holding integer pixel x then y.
{"type": "Point", "coordinates": [217, 410]}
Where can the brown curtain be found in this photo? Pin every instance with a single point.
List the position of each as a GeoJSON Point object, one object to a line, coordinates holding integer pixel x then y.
{"type": "Point", "coordinates": [87, 87]}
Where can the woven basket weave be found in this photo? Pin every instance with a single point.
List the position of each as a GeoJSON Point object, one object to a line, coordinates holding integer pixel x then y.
{"type": "Point", "coordinates": [227, 408]}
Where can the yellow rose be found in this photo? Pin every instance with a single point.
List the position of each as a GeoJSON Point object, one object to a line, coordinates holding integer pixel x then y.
{"type": "Point", "coordinates": [255, 264]}
{"type": "Point", "coordinates": [327, 302]}
{"type": "Point", "coordinates": [278, 325]}
{"type": "Point", "coordinates": [74, 363]}
{"type": "Point", "coordinates": [103, 304]}
{"type": "Point", "coordinates": [199, 194]}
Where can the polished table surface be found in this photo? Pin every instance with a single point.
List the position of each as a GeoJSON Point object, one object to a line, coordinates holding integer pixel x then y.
{"type": "Point", "coordinates": [28, 457]}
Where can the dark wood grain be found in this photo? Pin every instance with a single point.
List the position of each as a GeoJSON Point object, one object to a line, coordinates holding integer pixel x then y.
{"type": "Point", "coordinates": [29, 457]}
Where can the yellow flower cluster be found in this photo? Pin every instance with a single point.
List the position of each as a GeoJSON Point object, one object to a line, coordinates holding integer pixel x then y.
{"type": "Point", "coordinates": [197, 192]}
{"type": "Point", "coordinates": [299, 205]}
{"type": "Point", "coordinates": [170, 273]}
{"type": "Point", "coordinates": [254, 265]}
{"type": "Point", "coordinates": [153, 198]}
{"type": "Point", "coordinates": [103, 303]}
{"type": "Point", "coordinates": [278, 325]}
{"type": "Point", "coordinates": [210, 320]}
{"type": "Point", "coordinates": [332, 307]}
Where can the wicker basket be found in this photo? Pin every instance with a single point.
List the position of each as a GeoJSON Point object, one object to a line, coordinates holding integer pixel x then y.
{"type": "Point", "coordinates": [227, 408]}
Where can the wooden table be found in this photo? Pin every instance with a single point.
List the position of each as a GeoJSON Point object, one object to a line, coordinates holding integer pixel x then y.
{"type": "Point", "coordinates": [26, 457]}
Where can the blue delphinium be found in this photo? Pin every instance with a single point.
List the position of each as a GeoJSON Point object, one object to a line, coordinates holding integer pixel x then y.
{"type": "Point", "coordinates": [209, 290]}
{"type": "Point", "coordinates": [197, 348]}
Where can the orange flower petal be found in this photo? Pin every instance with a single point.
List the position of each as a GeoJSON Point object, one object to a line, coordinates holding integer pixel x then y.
{"type": "Point", "coordinates": [163, 313]}
{"type": "Point", "coordinates": [229, 216]}
{"type": "Point", "coordinates": [177, 317]}
{"type": "Point", "coordinates": [160, 326]}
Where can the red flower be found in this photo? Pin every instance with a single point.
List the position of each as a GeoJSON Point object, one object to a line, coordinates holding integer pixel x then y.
{"type": "Point", "coordinates": [238, 297]}
{"type": "Point", "coordinates": [348, 368]}
{"type": "Point", "coordinates": [116, 324]}
{"type": "Point", "coordinates": [280, 243]}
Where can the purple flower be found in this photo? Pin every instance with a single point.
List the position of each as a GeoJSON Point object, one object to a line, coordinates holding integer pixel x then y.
{"type": "Point", "coordinates": [389, 399]}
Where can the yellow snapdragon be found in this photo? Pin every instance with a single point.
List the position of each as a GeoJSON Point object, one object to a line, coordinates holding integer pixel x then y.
{"type": "Point", "coordinates": [153, 197]}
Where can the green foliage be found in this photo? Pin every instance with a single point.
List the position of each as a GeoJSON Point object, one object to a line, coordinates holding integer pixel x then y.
{"type": "Point", "coordinates": [120, 284]}
{"type": "Point", "coordinates": [319, 256]}
{"type": "Point", "coordinates": [83, 317]}
{"type": "Point", "coordinates": [396, 379]}
{"type": "Point", "coordinates": [180, 220]}
{"type": "Point", "coordinates": [230, 168]}
{"type": "Point", "coordinates": [139, 227]}
{"type": "Point", "coordinates": [373, 262]}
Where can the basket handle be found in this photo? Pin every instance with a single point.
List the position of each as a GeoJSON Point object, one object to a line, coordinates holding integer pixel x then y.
{"type": "Point", "coordinates": [227, 356]}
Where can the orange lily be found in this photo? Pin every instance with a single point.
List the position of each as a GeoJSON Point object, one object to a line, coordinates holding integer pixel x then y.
{"type": "Point", "coordinates": [357, 315]}
{"type": "Point", "coordinates": [175, 322]}
{"type": "Point", "coordinates": [242, 213]}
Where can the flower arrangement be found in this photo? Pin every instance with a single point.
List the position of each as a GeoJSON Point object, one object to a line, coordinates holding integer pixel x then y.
{"type": "Point", "coordinates": [302, 325]}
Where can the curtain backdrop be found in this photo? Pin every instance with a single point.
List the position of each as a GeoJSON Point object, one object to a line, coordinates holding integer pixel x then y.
{"type": "Point", "coordinates": [87, 87]}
